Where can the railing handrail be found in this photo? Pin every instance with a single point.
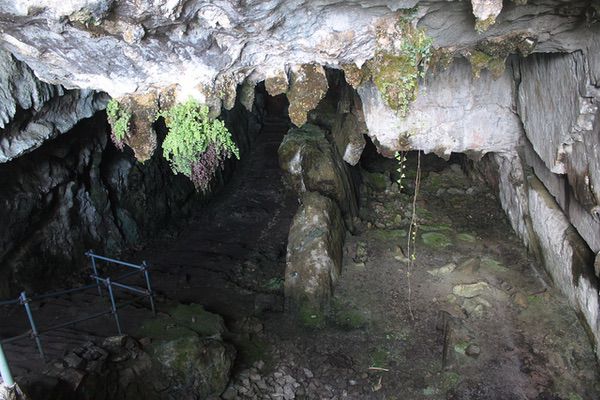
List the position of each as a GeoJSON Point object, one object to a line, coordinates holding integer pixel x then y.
{"type": "Point", "coordinates": [91, 254]}
{"type": "Point", "coordinates": [99, 281]}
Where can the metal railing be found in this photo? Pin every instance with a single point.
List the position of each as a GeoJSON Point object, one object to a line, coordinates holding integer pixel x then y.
{"type": "Point", "coordinates": [99, 282]}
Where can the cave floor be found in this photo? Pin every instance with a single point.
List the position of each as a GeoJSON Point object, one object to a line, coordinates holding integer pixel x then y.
{"type": "Point", "coordinates": [485, 322]}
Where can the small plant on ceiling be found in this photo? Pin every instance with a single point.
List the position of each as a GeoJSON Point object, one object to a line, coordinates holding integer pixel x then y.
{"type": "Point", "coordinates": [196, 145]}
{"type": "Point", "coordinates": [118, 118]}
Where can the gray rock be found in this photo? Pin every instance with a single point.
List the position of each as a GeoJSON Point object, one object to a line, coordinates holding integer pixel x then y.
{"type": "Point", "coordinates": [311, 163]}
{"type": "Point", "coordinates": [473, 350]}
{"type": "Point", "coordinates": [467, 106]}
{"type": "Point", "coordinates": [314, 255]}
{"type": "Point", "coordinates": [471, 290]}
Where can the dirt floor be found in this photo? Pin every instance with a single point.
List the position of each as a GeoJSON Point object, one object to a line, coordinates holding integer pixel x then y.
{"type": "Point", "coordinates": [481, 321]}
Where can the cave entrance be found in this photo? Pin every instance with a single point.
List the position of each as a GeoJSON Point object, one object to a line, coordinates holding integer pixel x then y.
{"type": "Point", "coordinates": [235, 244]}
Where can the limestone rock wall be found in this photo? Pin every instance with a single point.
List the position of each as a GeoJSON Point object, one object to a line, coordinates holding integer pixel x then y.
{"type": "Point", "coordinates": [32, 111]}
{"type": "Point", "coordinates": [78, 192]}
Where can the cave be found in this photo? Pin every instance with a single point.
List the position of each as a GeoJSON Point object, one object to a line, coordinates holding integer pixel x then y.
{"type": "Point", "coordinates": [300, 200]}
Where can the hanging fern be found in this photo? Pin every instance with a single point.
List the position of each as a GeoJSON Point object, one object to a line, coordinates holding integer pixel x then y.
{"type": "Point", "coordinates": [118, 118]}
{"type": "Point", "coordinates": [196, 145]}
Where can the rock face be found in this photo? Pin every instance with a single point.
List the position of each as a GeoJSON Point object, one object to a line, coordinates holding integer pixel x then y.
{"type": "Point", "coordinates": [44, 111]}
{"type": "Point", "coordinates": [314, 256]}
{"type": "Point", "coordinates": [453, 112]}
{"type": "Point", "coordinates": [79, 192]}
{"type": "Point", "coordinates": [312, 164]}
{"type": "Point", "coordinates": [204, 49]}
{"type": "Point", "coordinates": [21, 89]}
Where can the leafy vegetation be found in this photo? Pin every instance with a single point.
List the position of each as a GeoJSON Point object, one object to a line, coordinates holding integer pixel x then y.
{"type": "Point", "coordinates": [119, 119]}
{"type": "Point", "coordinates": [396, 72]}
{"type": "Point", "coordinates": [196, 145]}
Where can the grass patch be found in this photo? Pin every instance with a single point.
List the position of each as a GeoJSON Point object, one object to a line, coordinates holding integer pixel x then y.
{"type": "Point", "coordinates": [436, 240]}
{"type": "Point", "coordinates": [391, 234]}
{"type": "Point", "coordinates": [465, 237]}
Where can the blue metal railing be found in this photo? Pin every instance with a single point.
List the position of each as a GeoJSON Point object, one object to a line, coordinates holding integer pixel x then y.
{"type": "Point", "coordinates": [108, 283]}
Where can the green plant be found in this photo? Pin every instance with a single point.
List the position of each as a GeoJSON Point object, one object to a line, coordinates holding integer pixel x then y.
{"type": "Point", "coordinates": [119, 119]}
{"type": "Point", "coordinates": [411, 243]}
{"type": "Point", "coordinates": [396, 72]}
{"type": "Point", "coordinates": [196, 145]}
{"type": "Point", "coordinates": [401, 158]}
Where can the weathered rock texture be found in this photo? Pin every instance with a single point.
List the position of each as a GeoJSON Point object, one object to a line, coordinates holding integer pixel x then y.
{"type": "Point", "coordinates": [32, 111]}
{"type": "Point", "coordinates": [180, 359]}
{"type": "Point", "coordinates": [79, 192]}
{"type": "Point", "coordinates": [528, 94]}
{"type": "Point", "coordinates": [314, 256]}
{"type": "Point", "coordinates": [312, 164]}
{"type": "Point", "coordinates": [203, 48]}
{"type": "Point", "coordinates": [74, 194]}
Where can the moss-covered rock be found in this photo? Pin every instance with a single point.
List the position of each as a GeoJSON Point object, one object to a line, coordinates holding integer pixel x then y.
{"type": "Point", "coordinates": [308, 85]}
{"type": "Point", "coordinates": [436, 239]}
{"type": "Point", "coordinates": [197, 366]}
{"type": "Point", "coordinates": [314, 257]}
{"type": "Point", "coordinates": [311, 163]}
{"type": "Point", "coordinates": [480, 61]}
{"type": "Point", "coordinates": [187, 348]}
{"type": "Point", "coordinates": [399, 63]}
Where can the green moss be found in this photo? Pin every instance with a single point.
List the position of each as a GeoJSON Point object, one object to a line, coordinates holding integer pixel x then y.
{"type": "Point", "coordinates": [196, 318]}
{"type": "Point", "coordinates": [163, 328]}
{"type": "Point", "coordinates": [311, 317]}
{"type": "Point", "coordinates": [441, 58]}
{"type": "Point", "coordinates": [379, 358]}
{"type": "Point", "coordinates": [436, 228]}
{"type": "Point", "coordinates": [389, 234]}
{"type": "Point", "coordinates": [396, 72]}
{"type": "Point", "coordinates": [574, 396]}
{"type": "Point", "coordinates": [534, 299]}
{"type": "Point", "coordinates": [184, 320]}
{"type": "Point", "coordinates": [274, 284]}
{"type": "Point", "coordinates": [482, 25]}
{"type": "Point", "coordinates": [465, 237]}
{"type": "Point", "coordinates": [450, 380]}
{"type": "Point", "coordinates": [347, 316]}
{"type": "Point", "coordinates": [493, 265]}
{"type": "Point", "coordinates": [480, 61]}
{"type": "Point", "coordinates": [461, 347]}
{"type": "Point", "coordinates": [436, 240]}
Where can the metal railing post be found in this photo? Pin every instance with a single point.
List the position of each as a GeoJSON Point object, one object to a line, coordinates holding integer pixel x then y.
{"type": "Point", "coordinates": [150, 294]}
{"type": "Point", "coordinates": [5, 370]}
{"type": "Point", "coordinates": [90, 254]}
{"type": "Point", "coordinates": [34, 331]}
{"type": "Point", "coordinates": [113, 305]}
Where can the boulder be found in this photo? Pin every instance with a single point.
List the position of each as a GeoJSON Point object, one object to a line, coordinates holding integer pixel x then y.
{"type": "Point", "coordinates": [188, 351]}
{"type": "Point", "coordinates": [310, 163]}
{"type": "Point", "coordinates": [314, 255]}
